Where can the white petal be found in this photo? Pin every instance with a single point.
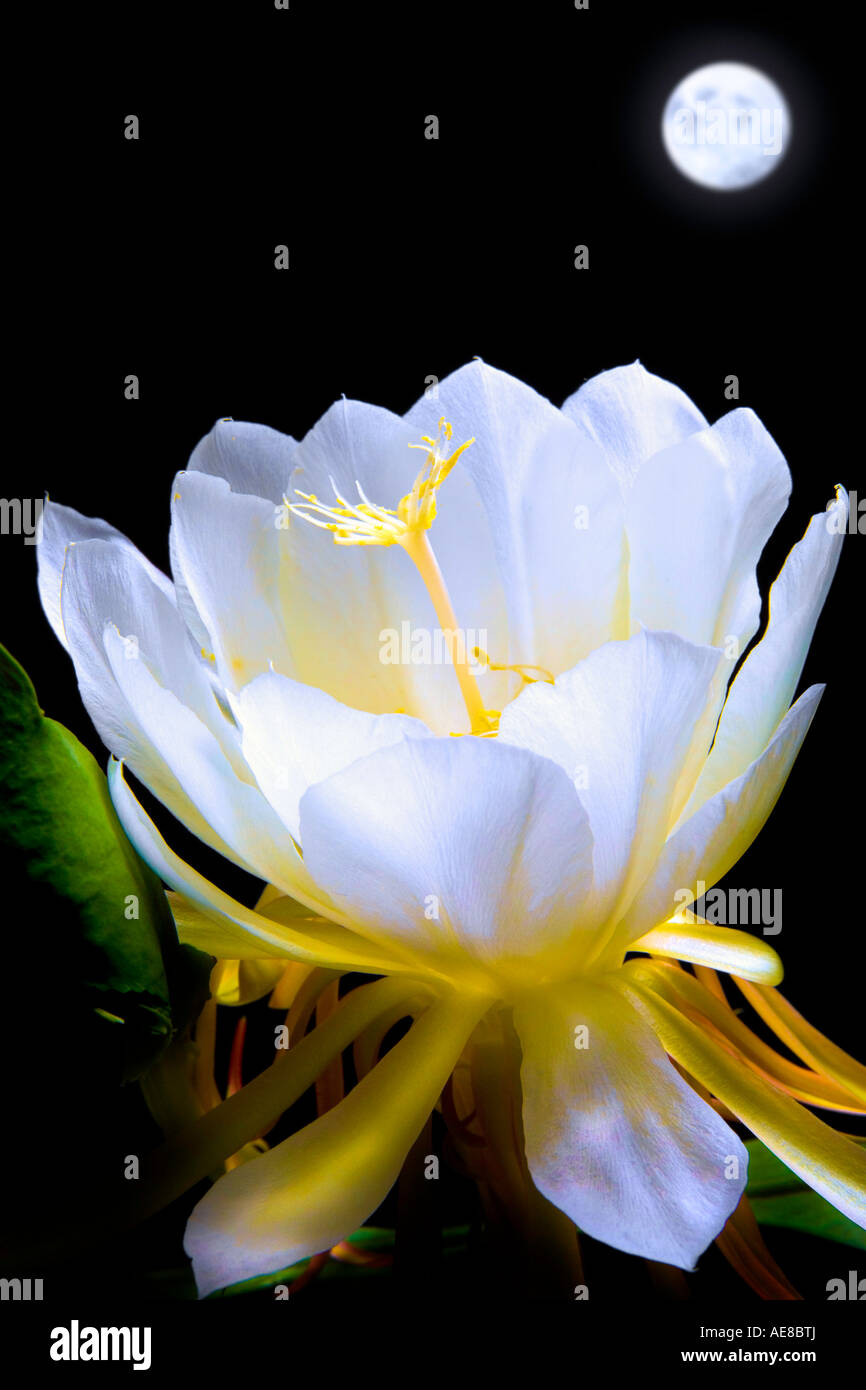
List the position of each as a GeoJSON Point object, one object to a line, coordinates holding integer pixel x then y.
{"type": "Point", "coordinates": [238, 813]}
{"type": "Point", "coordinates": [562, 569]}
{"type": "Point", "coordinates": [632, 414]}
{"type": "Point", "coordinates": [614, 1136]}
{"type": "Point", "coordinates": [765, 685]}
{"type": "Point", "coordinates": [712, 840]}
{"type": "Point", "coordinates": [107, 584]}
{"type": "Point", "coordinates": [463, 849]}
{"type": "Point", "coordinates": [253, 934]}
{"type": "Point", "coordinates": [61, 526]}
{"type": "Point", "coordinates": [226, 559]}
{"type": "Point", "coordinates": [698, 518]}
{"type": "Point", "coordinates": [622, 724]}
{"type": "Point", "coordinates": [254, 459]}
{"type": "Point", "coordinates": [294, 735]}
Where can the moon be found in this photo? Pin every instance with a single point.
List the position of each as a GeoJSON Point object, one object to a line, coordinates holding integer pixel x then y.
{"type": "Point", "coordinates": [726, 126]}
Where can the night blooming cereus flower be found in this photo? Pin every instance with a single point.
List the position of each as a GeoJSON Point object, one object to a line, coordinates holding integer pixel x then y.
{"type": "Point", "coordinates": [497, 833]}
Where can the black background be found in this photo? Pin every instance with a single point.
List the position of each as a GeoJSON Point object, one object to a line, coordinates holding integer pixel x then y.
{"type": "Point", "coordinates": [408, 257]}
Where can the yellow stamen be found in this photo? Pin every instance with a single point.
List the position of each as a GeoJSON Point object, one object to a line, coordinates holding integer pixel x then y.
{"type": "Point", "coordinates": [361, 524]}
{"type": "Point", "coordinates": [367, 523]}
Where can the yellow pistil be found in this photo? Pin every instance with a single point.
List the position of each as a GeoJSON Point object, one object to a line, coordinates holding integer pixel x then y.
{"type": "Point", "coordinates": [420, 551]}
{"type": "Point", "coordinates": [367, 523]}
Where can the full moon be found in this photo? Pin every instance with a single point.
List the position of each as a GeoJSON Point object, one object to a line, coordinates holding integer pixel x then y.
{"type": "Point", "coordinates": [726, 126]}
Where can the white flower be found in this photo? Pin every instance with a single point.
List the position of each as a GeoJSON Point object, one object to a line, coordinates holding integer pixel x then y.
{"type": "Point", "coordinates": [608, 551]}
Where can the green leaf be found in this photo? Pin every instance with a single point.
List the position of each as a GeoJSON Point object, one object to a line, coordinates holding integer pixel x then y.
{"type": "Point", "coordinates": [91, 926]}
{"type": "Point", "coordinates": [779, 1198]}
